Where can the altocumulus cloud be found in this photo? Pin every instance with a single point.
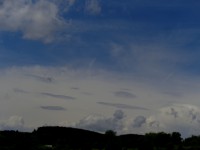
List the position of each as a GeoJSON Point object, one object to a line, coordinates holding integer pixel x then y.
{"type": "Point", "coordinates": [37, 20]}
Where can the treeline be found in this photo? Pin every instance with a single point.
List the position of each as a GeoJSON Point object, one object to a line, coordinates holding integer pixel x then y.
{"type": "Point", "coordinates": [62, 138]}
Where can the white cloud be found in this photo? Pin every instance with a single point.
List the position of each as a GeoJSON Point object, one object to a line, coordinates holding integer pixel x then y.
{"type": "Point", "coordinates": [93, 7]}
{"type": "Point", "coordinates": [37, 20]}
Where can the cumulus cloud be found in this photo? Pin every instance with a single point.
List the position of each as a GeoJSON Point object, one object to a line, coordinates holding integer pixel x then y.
{"type": "Point", "coordinates": [124, 94]}
{"type": "Point", "coordinates": [37, 20]}
{"type": "Point", "coordinates": [178, 117]}
{"type": "Point", "coordinates": [56, 108]}
{"type": "Point", "coordinates": [102, 124]}
{"type": "Point", "coordinates": [122, 106]}
{"type": "Point", "coordinates": [93, 7]}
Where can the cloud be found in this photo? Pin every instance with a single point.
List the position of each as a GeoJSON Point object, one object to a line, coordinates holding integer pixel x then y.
{"type": "Point", "coordinates": [93, 7]}
{"type": "Point", "coordinates": [119, 114]}
{"type": "Point", "coordinates": [56, 108]}
{"type": "Point", "coordinates": [36, 20]}
{"type": "Point", "coordinates": [139, 121]}
{"type": "Point", "coordinates": [124, 94]}
{"type": "Point", "coordinates": [122, 106]}
{"type": "Point", "coordinates": [102, 124]}
{"type": "Point", "coordinates": [21, 94]}
{"type": "Point", "coordinates": [13, 123]}
{"type": "Point", "coordinates": [183, 118]}
{"type": "Point", "coordinates": [58, 96]}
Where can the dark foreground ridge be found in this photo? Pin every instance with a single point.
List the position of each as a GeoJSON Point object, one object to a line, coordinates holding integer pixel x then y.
{"type": "Point", "coordinates": [63, 138]}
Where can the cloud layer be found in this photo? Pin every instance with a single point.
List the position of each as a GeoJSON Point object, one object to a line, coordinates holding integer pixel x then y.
{"type": "Point", "coordinates": [40, 95]}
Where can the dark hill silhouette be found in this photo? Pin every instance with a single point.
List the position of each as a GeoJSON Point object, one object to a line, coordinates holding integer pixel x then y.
{"type": "Point", "coordinates": [75, 138]}
{"type": "Point", "coordinates": [63, 138]}
{"type": "Point", "coordinates": [131, 140]}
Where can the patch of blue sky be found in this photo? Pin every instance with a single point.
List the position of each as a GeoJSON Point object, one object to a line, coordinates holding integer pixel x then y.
{"type": "Point", "coordinates": [18, 51]}
{"type": "Point", "coordinates": [169, 23]}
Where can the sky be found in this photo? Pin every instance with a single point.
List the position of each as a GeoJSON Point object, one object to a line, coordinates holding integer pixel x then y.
{"type": "Point", "coordinates": [128, 66]}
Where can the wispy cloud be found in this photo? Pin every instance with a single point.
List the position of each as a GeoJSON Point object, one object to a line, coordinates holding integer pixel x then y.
{"type": "Point", "coordinates": [121, 106]}
{"type": "Point", "coordinates": [58, 96]}
{"type": "Point", "coordinates": [93, 6]}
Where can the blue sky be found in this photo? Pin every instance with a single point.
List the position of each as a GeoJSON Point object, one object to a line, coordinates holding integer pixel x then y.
{"type": "Point", "coordinates": [130, 66]}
